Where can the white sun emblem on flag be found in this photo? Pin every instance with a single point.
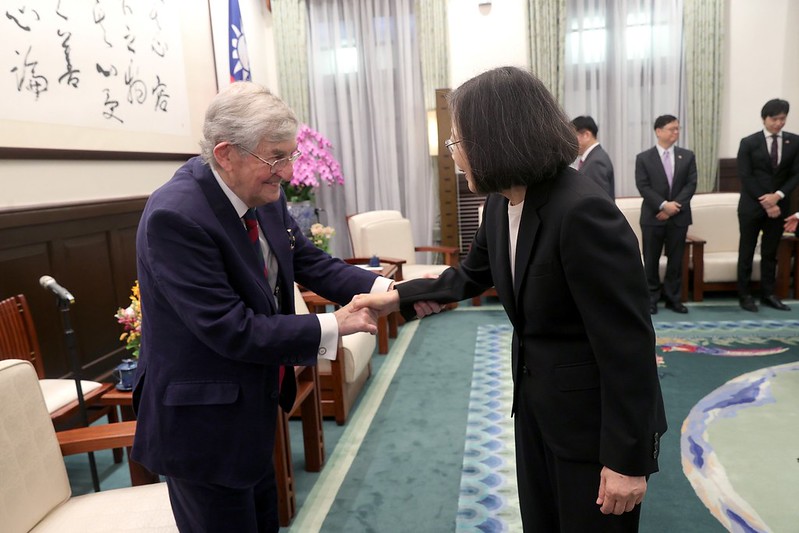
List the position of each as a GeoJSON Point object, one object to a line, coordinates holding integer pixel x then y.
{"type": "Point", "coordinates": [238, 45]}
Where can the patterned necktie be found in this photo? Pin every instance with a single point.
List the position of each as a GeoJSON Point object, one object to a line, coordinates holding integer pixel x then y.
{"type": "Point", "coordinates": [252, 232]}
{"type": "Point", "coordinates": [251, 222]}
{"type": "Point", "coordinates": [774, 152]}
{"type": "Point", "coordinates": [668, 168]}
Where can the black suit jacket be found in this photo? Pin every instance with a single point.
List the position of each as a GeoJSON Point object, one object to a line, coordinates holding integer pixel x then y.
{"type": "Point", "coordinates": [653, 185]}
{"type": "Point", "coordinates": [598, 167]}
{"type": "Point", "coordinates": [580, 313]}
{"type": "Point", "coordinates": [758, 177]}
{"type": "Point", "coordinates": [207, 385]}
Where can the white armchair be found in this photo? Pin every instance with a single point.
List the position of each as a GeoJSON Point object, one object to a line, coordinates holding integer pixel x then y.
{"type": "Point", "coordinates": [341, 380]}
{"type": "Point", "coordinates": [388, 235]}
{"type": "Point", "coordinates": [35, 492]}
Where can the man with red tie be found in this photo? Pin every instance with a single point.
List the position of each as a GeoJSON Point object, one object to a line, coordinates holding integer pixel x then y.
{"type": "Point", "coordinates": [218, 255]}
{"type": "Point", "coordinates": [666, 178]}
{"type": "Point", "coordinates": [768, 168]}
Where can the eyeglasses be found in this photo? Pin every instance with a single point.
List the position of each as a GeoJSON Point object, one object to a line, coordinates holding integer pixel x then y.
{"type": "Point", "coordinates": [278, 164]}
{"type": "Point", "coordinates": [449, 143]}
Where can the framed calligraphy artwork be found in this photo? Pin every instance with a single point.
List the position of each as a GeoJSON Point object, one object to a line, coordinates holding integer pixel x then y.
{"type": "Point", "coordinates": [103, 78]}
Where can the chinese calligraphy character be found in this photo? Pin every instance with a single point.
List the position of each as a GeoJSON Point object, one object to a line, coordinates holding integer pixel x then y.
{"type": "Point", "coordinates": [161, 96]}
{"type": "Point", "coordinates": [71, 74]}
{"type": "Point", "coordinates": [27, 74]}
{"type": "Point", "coordinates": [110, 107]}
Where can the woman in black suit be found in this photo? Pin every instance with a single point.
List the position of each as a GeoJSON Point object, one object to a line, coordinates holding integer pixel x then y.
{"type": "Point", "coordinates": [587, 402]}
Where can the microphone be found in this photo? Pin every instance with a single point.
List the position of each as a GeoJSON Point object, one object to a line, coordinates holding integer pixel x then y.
{"type": "Point", "coordinates": [52, 285]}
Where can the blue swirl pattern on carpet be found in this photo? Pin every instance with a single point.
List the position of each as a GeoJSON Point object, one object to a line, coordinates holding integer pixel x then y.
{"type": "Point", "coordinates": [488, 499]}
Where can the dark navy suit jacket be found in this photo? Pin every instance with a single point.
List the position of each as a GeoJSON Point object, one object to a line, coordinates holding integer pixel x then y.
{"type": "Point", "coordinates": [206, 393]}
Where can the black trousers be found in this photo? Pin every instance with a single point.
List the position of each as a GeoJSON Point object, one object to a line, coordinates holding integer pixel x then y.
{"type": "Point", "coordinates": [655, 239]}
{"type": "Point", "coordinates": [750, 227]}
{"type": "Point", "coordinates": [208, 508]}
{"type": "Point", "coordinates": [557, 495]}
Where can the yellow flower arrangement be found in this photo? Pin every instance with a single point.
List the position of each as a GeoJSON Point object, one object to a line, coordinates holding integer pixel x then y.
{"type": "Point", "coordinates": [130, 318]}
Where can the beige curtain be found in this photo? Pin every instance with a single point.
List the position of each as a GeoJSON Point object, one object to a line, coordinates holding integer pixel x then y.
{"type": "Point", "coordinates": [703, 26]}
{"type": "Point", "coordinates": [431, 18]}
{"type": "Point", "coordinates": [290, 21]}
{"type": "Point", "coordinates": [547, 33]}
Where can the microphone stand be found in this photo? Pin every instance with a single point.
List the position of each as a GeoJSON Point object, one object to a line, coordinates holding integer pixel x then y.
{"type": "Point", "coordinates": [69, 335]}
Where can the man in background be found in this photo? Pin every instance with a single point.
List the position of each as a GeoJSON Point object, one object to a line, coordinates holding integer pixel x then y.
{"type": "Point", "coordinates": [593, 161]}
{"type": "Point", "coordinates": [768, 167]}
{"type": "Point", "coordinates": [666, 178]}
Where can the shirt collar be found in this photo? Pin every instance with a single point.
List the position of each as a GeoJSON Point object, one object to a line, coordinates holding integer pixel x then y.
{"type": "Point", "coordinates": [588, 150]}
{"type": "Point", "coordinates": [237, 203]}
{"type": "Point", "coordinates": [661, 150]}
{"type": "Point", "coordinates": [768, 134]}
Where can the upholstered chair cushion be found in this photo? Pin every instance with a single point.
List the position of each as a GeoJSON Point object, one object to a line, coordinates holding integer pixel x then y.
{"type": "Point", "coordinates": [715, 220]}
{"type": "Point", "coordinates": [357, 221]}
{"type": "Point", "coordinates": [61, 392]}
{"type": "Point", "coordinates": [389, 238]}
{"type": "Point", "coordinates": [33, 479]}
{"type": "Point", "coordinates": [34, 488]}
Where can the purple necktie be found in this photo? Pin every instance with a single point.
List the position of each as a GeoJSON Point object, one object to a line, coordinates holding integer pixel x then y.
{"type": "Point", "coordinates": [774, 153]}
{"type": "Point", "coordinates": [668, 168]}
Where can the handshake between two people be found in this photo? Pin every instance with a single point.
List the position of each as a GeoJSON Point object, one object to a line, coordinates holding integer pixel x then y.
{"type": "Point", "coordinates": [362, 312]}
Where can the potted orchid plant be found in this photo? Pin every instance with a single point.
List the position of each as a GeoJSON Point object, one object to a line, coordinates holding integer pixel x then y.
{"type": "Point", "coordinates": [315, 166]}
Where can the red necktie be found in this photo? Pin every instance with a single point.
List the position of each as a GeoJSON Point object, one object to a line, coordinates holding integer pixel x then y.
{"type": "Point", "coordinates": [580, 164]}
{"type": "Point", "coordinates": [251, 221]}
{"type": "Point", "coordinates": [774, 154]}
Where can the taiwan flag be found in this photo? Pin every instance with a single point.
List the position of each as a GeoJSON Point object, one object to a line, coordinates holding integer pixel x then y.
{"type": "Point", "coordinates": [237, 58]}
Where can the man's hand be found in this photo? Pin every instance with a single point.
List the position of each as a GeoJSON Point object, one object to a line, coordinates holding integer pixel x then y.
{"type": "Point", "coordinates": [381, 303]}
{"type": "Point", "coordinates": [773, 211]}
{"type": "Point", "coordinates": [619, 493]}
{"type": "Point", "coordinates": [671, 208]}
{"type": "Point", "coordinates": [769, 200]}
{"type": "Point", "coordinates": [791, 223]}
{"type": "Point", "coordinates": [352, 320]}
{"type": "Point", "coordinates": [662, 216]}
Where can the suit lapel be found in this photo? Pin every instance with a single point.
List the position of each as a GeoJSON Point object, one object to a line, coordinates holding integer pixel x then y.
{"type": "Point", "coordinates": [536, 197]}
{"type": "Point", "coordinates": [234, 228]}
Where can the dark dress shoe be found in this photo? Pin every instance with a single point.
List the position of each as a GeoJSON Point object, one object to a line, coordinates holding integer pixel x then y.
{"type": "Point", "coordinates": [773, 301]}
{"type": "Point", "coordinates": [748, 304]}
{"type": "Point", "coordinates": [653, 309]}
{"type": "Point", "coordinates": [677, 307]}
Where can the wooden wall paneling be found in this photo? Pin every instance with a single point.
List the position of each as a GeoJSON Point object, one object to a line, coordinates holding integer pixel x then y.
{"type": "Point", "coordinates": [20, 269]}
{"type": "Point", "coordinates": [88, 248]}
{"type": "Point", "coordinates": [728, 175]}
{"type": "Point", "coordinates": [447, 182]}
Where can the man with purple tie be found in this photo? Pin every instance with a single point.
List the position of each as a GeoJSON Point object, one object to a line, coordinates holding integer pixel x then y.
{"type": "Point", "coordinates": [768, 167]}
{"type": "Point", "coordinates": [666, 179]}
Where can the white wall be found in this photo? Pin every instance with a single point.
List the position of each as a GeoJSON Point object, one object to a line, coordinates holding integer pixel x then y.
{"type": "Point", "coordinates": [477, 43]}
{"type": "Point", "coordinates": [481, 42]}
{"type": "Point", "coordinates": [760, 63]}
